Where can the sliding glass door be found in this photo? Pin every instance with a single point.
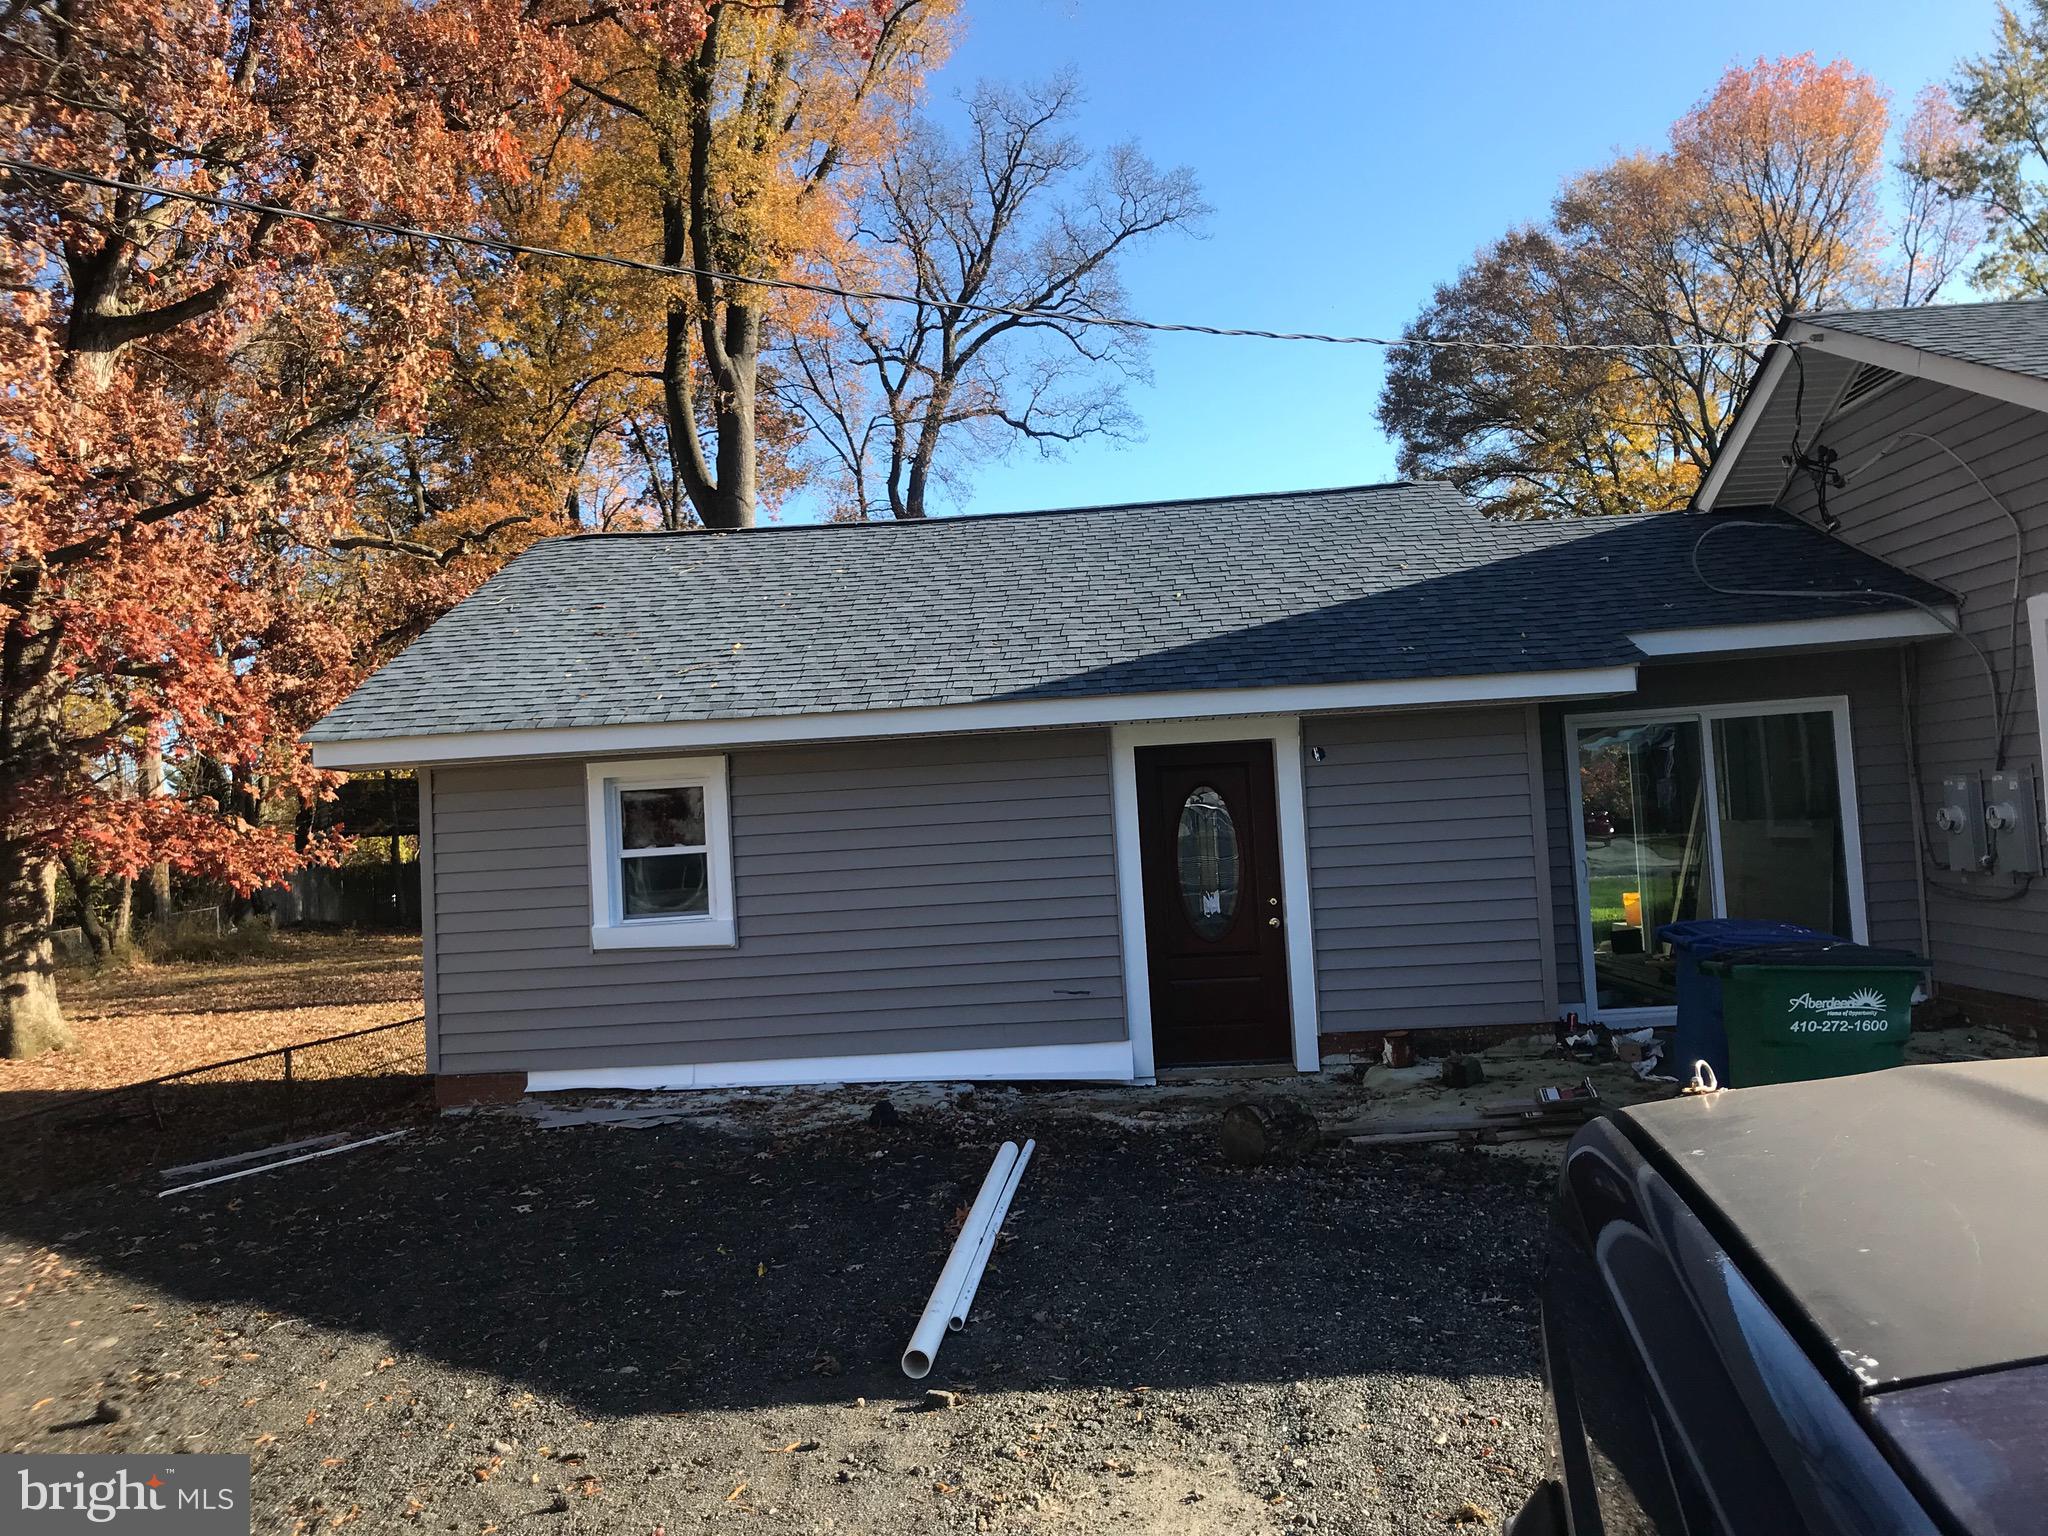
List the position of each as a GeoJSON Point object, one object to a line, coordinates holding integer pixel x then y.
{"type": "Point", "coordinates": [1734, 811]}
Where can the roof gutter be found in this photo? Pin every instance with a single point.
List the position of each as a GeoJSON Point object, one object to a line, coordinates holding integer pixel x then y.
{"type": "Point", "coordinates": [1797, 634]}
{"type": "Point", "coordinates": [442, 749]}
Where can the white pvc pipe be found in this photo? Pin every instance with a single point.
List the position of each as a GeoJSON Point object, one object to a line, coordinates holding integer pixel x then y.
{"type": "Point", "coordinates": [303, 1157]}
{"type": "Point", "coordinates": [931, 1327]}
{"type": "Point", "coordinates": [972, 1283]}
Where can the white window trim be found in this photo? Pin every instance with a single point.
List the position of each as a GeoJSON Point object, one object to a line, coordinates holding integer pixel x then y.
{"type": "Point", "coordinates": [1290, 805]}
{"type": "Point", "coordinates": [609, 929]}
{"type": "Point", "coordinates": [2037, 627]}
{"type": "Point", "coordinates": [1705, 714]}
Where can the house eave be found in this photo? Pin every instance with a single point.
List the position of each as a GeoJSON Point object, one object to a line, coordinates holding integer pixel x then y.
{"type": "Point", "coordinates": [444, 749]}
{"type": "Point", "coordinates": [1796, 634]}
{"type": "Point", "coordinates": [1913, 362]}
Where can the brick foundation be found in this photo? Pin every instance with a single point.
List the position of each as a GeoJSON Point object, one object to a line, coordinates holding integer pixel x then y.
{"type": "Point", "coordinates": [1433, 1041]}
{"type": "Point", "coordinates": [465, 1088]}
{"type": "Point", "coordinates": [1954, 1007]}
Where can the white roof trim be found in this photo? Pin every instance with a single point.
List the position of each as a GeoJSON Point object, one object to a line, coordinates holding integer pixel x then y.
{"type": "Point", "coordinates": [433, 750]}
{"type": "Point", "coordinates": [1745, 422]}
{"type": "Point", "coordinates": [1794, 634]}
{"type": "Point", "coordinates": [1914, 362]}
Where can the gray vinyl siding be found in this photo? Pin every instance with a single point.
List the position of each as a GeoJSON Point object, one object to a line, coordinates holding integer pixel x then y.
{"type": "Point", "coordinates": [1426, 869]}
{"type": "Point", "coordinates": [1917, 508]}
{"type": "Point", "coordinates": [1869, 679]}
{"type": "Point", "coordinates": [934, 895]}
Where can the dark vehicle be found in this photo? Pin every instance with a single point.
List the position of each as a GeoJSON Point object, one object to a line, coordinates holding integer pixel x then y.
{"type": "Point", "coordinates": [1805, 1308]}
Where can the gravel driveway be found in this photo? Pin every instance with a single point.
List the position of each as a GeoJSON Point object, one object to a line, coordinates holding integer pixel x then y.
{"type": "Point", "coordinates": [494, 1326]}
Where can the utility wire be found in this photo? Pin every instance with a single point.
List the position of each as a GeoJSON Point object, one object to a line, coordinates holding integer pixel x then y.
{"type": "Point", "coordinates": [832, 290]}
{"type": "Point", "coordinates": [1848, 594]}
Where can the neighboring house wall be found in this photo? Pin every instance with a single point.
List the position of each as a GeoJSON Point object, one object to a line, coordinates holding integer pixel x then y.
{"type": "Point", "coordinates": [1919, 509]}
{"type": "Point", "coordinates": [909, 896]}
{"type": "Point", "coordinates": [1427, 870]}
{"type": "Point", "coordinates": [1870, 681]}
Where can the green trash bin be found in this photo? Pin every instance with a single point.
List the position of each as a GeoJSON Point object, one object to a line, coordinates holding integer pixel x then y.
{"type": "Point", "coordinates": [1799, 1012]}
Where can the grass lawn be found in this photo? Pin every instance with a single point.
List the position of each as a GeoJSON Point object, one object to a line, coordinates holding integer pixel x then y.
{"type": "Point", "coordinates": [147, 1019]}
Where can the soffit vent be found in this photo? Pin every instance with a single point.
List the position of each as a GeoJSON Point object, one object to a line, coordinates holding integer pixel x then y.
{"type": "Point", "coordinates": [1864, 384]}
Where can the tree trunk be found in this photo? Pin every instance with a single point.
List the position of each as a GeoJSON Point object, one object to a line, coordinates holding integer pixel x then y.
{"type": "Point", "coordinates": [96, 936]}
{"type": "Point", "coordinates": [121, 925]}
{"type": "Point", "coordinates": [152, 783]}
{"type": "Point", "coordinates": [921, 458]}
{"type": "Point", "coordinates": [31, 1019]}
{"type": "Point", "coordinates": [738, 466]}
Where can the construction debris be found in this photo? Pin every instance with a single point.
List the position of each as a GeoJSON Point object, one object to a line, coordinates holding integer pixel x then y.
{"type": "Point", "coordinates": [1283, 1130]}
{"type": "Point", "coordinates": [1461, 1072]}
{"type": "Point", "coordinates": [303, 1157]}
{"type": "Point", "coordinates": [1277, 1132]}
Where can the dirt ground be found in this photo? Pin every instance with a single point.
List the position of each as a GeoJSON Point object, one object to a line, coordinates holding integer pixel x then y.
{"type": "Point", "coordinates": [145, 1020]}
{"type": "Point", "coordinates": [684, 1313]}
{"type": "Point", "coordinates": [496, 1324]}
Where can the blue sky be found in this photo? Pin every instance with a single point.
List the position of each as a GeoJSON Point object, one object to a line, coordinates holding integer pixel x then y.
{"type": "Point", "coordinates": [1356, 154]}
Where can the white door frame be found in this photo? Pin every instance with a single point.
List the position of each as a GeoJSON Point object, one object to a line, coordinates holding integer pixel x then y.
{"type": "Point", "coordinates": [1291, 817]}
{"type": "Point", "coordinates": [1705, 714]}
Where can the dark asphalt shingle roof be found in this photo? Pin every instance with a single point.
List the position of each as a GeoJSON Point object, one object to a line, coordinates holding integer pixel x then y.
{"type": "Point", "coordinates": [2011, 334]}
{"type": "Point", "coordinates": [1369, 583]}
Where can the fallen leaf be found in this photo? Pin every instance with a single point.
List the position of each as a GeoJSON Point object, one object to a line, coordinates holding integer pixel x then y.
{"type": "Point", "coordinates": [42, 1402]}
{"type": "Point", "coordinates": [736, 1493]}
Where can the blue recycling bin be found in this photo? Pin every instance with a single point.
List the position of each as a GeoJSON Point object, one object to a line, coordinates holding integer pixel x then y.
{"type": "Point", "coordinates": [1702, 1032]}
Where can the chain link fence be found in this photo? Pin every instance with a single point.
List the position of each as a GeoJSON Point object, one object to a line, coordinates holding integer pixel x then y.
{"type": "Point", "coordinates": [367, 1077]}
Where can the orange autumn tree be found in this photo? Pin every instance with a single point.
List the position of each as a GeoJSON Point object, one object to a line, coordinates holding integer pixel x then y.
{"type": "Point", "coordinates": [180, 385]}
{"type": "Point", "coordinates": [743, 135]}
{"type": "Point", "coordinates": [1766, 202]}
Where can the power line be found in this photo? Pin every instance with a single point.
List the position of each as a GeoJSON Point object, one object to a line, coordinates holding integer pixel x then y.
{"type": "Point", "coordinates": [830, 290]}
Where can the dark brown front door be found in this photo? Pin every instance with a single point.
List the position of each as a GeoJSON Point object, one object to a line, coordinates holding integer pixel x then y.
{"type": "Point", "coordinates": [1214, 926]}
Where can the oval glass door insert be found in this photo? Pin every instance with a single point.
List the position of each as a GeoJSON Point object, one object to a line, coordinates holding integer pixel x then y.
{"type": "Point", "coordinates": [1208, 863]}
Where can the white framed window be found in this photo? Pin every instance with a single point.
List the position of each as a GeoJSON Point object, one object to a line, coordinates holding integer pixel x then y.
{"type": "Point", "coordinates": [660, 854]}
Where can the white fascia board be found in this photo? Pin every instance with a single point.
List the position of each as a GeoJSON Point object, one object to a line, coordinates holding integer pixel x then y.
{"type": "Point", "coordinates": [1917, 363]}
{"type": "Point", "coordinates": [957, 719]}
{"type": "Point", "coordinates": [1753, 406]}
{"type": "Point", "coordinates": [1795, 634]}
{"type": "Point", "coordinates": [1913, 362]}
{"type": "Point", "coordinates": [1108, 1061]}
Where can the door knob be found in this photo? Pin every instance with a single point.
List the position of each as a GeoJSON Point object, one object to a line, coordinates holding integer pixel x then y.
{"type": "Point", "coordinates": [1272, 922]}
